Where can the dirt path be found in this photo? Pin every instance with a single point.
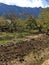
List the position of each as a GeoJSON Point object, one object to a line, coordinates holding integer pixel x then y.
{"type": "Point", "coordinates": [33, 36]}
{"type": "Point", "coordinates": [46, 62]}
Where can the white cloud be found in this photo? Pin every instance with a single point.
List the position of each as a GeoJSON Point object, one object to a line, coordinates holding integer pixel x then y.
{"type": "Point", "coordinates": [24, 3]}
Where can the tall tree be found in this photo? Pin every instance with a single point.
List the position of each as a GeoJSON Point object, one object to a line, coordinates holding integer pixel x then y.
{"type": "Point", "coordinates": [31, 22]}
{"type": "Point", "coordinates": [43, 20]}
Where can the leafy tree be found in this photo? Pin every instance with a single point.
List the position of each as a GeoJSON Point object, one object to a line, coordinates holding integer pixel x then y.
{"type": "Point", "coordinates": [31, 23]}
{"type": "Point", "coordinates": [43, 20]}
{"type": "Point", "coordinates": [11, 19]}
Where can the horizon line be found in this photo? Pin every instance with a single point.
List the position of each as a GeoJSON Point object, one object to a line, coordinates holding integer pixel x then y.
{"type": "Point", "coordinates": [23, 6]}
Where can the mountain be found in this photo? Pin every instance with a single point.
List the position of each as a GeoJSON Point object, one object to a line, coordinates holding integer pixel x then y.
{"type": "Point", "coordinates": [4, 8]}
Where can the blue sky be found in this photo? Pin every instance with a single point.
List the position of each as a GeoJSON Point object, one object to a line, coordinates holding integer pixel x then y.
{"type": "Point", "coordinates": [27, 3]}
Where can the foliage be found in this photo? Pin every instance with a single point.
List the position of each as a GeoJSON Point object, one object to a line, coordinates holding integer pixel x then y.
{"type": "Point", "coordinates": [11, 23]}
{"type": "Point", "coordinates": [43, 20]}
{"type": "Point", "coordinates": [31, 23]}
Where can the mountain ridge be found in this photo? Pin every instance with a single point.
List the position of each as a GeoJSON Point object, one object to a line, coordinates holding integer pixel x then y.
{"type": "Point", "coordinates": [4, 8]}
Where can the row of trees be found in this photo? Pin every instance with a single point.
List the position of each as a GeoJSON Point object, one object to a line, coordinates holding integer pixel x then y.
{"type": "Point", "coordinates": [11, 23]}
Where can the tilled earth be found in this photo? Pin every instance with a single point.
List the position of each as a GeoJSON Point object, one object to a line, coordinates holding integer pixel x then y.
{"type": "Point", "coordinates": [33, 51]}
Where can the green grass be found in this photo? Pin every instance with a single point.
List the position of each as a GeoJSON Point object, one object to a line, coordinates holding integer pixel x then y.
{"type": "Point", "coordinates": [11, 37]}
{"type": "Point", "coordinates": [10, 41]}
{"type": "Point", "coordinates": [4, 41]}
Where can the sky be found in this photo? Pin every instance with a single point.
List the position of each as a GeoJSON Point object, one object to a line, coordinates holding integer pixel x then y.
{"type": "Point", "coordinates": [27, 3]}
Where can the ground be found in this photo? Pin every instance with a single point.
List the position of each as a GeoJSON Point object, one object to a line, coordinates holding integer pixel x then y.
{"type": "Point", "coordinates": [33, 49]}
{"type": "Point", "coordinates": [46, 62]}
